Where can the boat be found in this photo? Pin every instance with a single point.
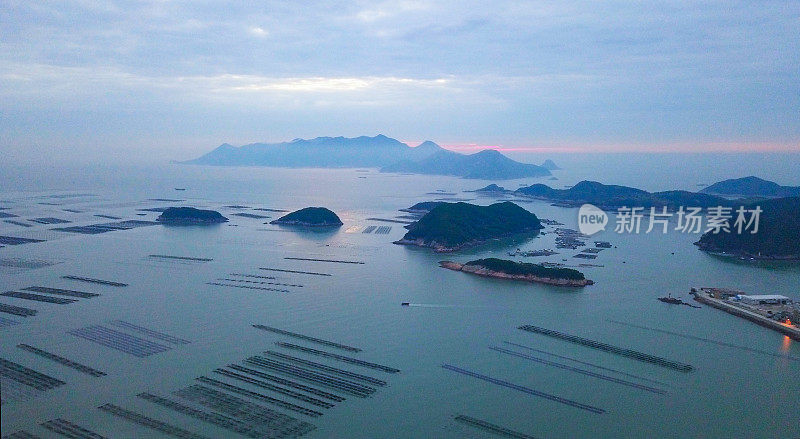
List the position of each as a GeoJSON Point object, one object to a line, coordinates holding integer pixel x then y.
{"type": "Point", "coordinates": [180, 188]}
{"type": "Point", "coordinates": [671, 300]}
{"type": "Point", "coordinates": [405, 304]}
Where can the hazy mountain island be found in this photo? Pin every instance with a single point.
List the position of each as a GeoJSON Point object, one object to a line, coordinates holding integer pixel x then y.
{"type": "Point", "coordinates": [486, 165]}
{"type": "Point", "coordinates": [390, 155]}
{"type": "Point", "coordinates": [310, 217]}
{"type": "Point", "coordinates": [453, 226]}
{"type": "Point", "coordinates": [550, 165]}
{"type": "Point", "coordinates": [778, 235]}
{"type": "Point", "coordinates": [505, 269]}
{"type": "Point", "coordinates": [190, 215]}
{"type": "Point", "coordinates": [751, 187]}
{"type": "Point", "coordinates": [612, 197]}
{"type": "Point", "coordinates": [492, 189]}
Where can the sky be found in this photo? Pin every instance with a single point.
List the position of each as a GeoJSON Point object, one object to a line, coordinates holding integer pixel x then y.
{"type": "Point", "coordinates": [160, 80]}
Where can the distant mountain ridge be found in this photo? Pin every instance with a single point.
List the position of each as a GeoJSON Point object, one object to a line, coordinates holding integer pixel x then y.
{"type": "Point", "coordinates": [751, 186]}
{"type": "Point", "coordinates": [390, 155]}
{"type": "Point", "coordinates": [609, 196]}
{"type": "Point", "coordinates": [487, 165]}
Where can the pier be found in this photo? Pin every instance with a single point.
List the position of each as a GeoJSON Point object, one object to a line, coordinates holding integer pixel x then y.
{"type": "Point", "coordinates": [787, 330]}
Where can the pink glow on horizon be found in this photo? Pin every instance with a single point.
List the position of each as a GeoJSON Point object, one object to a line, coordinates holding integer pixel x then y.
{"type": "Point", "coordinates": [739, 147]}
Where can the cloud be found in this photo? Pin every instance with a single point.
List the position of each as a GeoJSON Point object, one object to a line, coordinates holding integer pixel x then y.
{"type": "Point", "coordinates": [512, 73]}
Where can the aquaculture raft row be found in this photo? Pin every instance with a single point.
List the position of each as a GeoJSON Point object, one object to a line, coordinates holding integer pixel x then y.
{"type": "Point", "coordinates": [580, 371]}
{"type": "Point", "coordinates": [280, 284]}
{"type": "Point", "coordinates": [70, 430]}
{"type": "Point", "coordinates": [29, 377]}
{"type": "Point", "coordinates": [350, 387]}
{"type": "Point", "coordinates": [597, 366]}
{"type": "Point", "coordinates": [17, 310]}
{"type": "Point", "coordinates": [524, 389]}
{"type": "Point", "coordinates": [7, 322]}
{"type": "Point", "coordinates": [274, 388]}
{"type": "Point", "coordinates": [326, 368]}
{"type": "Point", "coordinates": [61, 292]}
{"type": "Point", "coordinates": [95, 229]}
{"type": "Point", "coordinates": [21, 434]}
{"type": "Point", "coordinates": [149, 332]}
{"type": "Point", "coordinates": [119, 340]}
{"type": "Point", "coordinates": [249, 287]}
{"type": "Point", "coordinates": [493, 428]}
{"type": "Point", "coordinates": [49, 220]}
{"type": "Point", "coordinates": [338, 357]}
{"type": "Point", "coordinates": [59, 359]}
{"type": "Point", "coordinates": [255, 395]}
{"type": "Point", "coordinates": [12, 240]}
{"type": "Point", "coordinates": [286, 382]}
{"type": "Point", "coordinates": [609, 348]}
{"type": "Point", "coordinates": [294, 271]}
{"type": "Point", "coordinates": [324, 260]}
{"type": "Point", "coordinates": [181, 258]}
{"type": "Point", "coordinates": [95, 281]}
{"type": "Point", "coordinates": [149, 422]}
{"type": "Point", "coordinates": [307, 338]}
{"type": "Point", "coordinates": [244, 411]}
{"type": "Point", "coordinates": [255, 276]}
{"type": "Point", "coordinates": [38, 297]}
{"type": "Point", "coordinates": [221, 421]}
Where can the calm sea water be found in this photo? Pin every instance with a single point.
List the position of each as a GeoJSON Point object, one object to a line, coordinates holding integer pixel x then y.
{"type": "Point", "coordinates": [453, 319]}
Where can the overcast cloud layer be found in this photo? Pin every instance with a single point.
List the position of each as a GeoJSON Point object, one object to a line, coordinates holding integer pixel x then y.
{"type": "Point", "coordinates": [170, 79]}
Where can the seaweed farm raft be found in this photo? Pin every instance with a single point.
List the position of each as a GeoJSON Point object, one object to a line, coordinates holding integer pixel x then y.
{"type": "Point", "coordinates": [776, 312]}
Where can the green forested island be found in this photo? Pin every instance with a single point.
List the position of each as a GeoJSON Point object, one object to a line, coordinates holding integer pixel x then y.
{"type": "Point", "coordinates": [310, 217]}
{"type": "Point", "coordinates": [778, 235]}
{"type": "Point", "coordinates": [452, 226]}
{"type": "Point", "coordinates": [505, 269]}
{"type": "Point", "coordinates": [190, 215]}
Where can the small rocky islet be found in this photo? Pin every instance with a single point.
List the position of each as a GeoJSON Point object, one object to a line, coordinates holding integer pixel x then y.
{"type": "Point", "coordinates": [505, 269]}
{"type": "Point", "coordinates": [190, 216]}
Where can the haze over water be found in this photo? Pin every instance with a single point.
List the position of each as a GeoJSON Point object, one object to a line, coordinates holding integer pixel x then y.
{"type": "Point", "coordinates": [453, 319]}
